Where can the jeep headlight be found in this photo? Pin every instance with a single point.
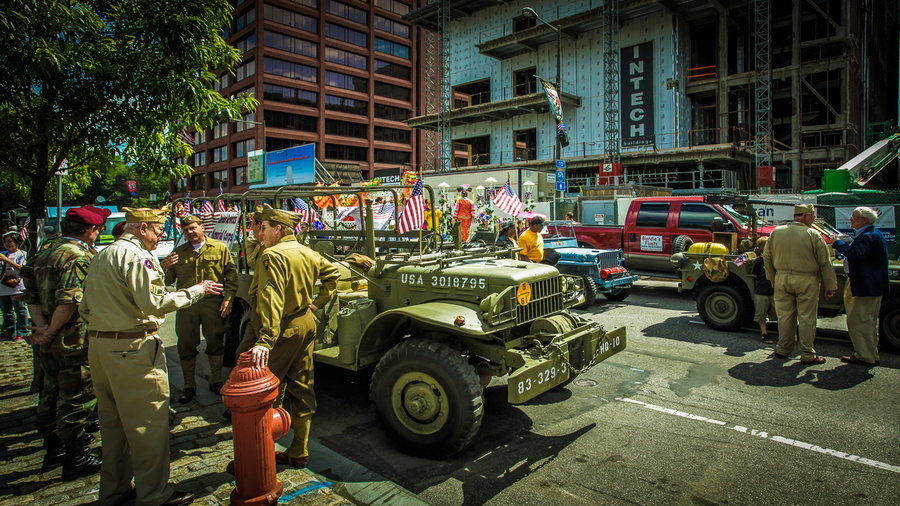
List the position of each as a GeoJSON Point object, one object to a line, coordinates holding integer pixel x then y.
{"type": "Point", "coordinates": [678, 260]}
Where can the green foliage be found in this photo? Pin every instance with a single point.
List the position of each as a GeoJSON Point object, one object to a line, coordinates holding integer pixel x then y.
{"type": "Point", "coordinates": [107, 84]}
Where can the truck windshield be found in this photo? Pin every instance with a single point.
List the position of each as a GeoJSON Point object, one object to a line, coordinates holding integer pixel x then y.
{"type": "Point", "coordinates": [742, 220]}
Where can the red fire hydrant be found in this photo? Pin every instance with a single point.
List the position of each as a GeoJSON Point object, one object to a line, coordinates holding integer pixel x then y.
{"type": "Point", "coordinates": [250, 393]}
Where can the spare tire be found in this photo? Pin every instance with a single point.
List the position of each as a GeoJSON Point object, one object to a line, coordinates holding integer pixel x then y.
{"type": "Point", "coordinates": [681, 244]}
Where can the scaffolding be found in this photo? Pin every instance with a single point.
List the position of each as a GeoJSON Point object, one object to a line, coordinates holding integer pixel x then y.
{"type": "Point", "coordinates": [611, 83]}
{"type": "Point", "coordinates": [438, 145]}
{"type": "Point", "coordinates": [763, 98]}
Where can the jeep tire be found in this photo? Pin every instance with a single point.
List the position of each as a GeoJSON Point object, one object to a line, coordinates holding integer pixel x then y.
{"type": "Point", "coordinates": [590, 293]}
{"type": "Point", "coordinates": [428, 396]}
{"type": "Point", "coordinates": [681, 243]}
{"type": "Point", "coordinates": [724, 307]}
{"type": "Point", "coordinates": [618, 293]}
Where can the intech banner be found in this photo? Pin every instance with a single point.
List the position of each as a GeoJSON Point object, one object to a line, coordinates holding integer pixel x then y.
{"type": "Point", "coordinates": [637, 95]}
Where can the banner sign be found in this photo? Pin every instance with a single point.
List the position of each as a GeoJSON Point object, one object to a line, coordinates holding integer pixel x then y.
{"type": "Point", "coordinates": [886, 221]}
{"type": "Point", "coordinates": [289, 166]}
{"type": "Point", "coordinates": [636, 67]}
{"type": "Point", "coordinates": [555, 104]}
{"type": "Point", "coordinates": [388, 177]}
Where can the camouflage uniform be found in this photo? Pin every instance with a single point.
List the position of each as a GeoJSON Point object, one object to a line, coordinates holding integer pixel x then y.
{"type": "Point", "coordinates": [67, 397]}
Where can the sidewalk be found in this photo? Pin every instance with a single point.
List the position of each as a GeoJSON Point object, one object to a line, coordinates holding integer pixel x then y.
{"type": "Point", "coordinates": [201, 446]}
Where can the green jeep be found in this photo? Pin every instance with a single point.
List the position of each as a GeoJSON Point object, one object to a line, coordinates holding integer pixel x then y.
{"type": "Point", "coordinates": [436, 322]}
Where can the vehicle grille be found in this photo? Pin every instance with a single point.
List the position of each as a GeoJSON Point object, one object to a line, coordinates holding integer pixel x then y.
{"type": "Point", "coordinates": [546, 298]}
{"type": "Point", "coordinates": [609, 259]}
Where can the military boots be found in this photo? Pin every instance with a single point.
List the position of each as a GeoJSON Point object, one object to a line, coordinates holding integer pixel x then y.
{"type": "Point", "coordinates": [56, 450]}
{"type": "Point", "coordinates": [78, 460]}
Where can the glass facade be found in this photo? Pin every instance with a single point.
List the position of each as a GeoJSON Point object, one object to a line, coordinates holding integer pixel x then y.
{"type": "Point", "coordinates": [347, 82]}
{"type": "Point", "coordinates": [290, 95]}
{"type": "Point", "coordinates": [348, 105]}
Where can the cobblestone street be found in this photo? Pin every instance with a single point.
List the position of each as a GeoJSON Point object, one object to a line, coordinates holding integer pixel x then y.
{"type": "Point", "coordinates": [201, 447]}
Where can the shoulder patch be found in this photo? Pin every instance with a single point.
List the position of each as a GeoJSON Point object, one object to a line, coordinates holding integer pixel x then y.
{"type": "Point", "coordinates": [148, 264]}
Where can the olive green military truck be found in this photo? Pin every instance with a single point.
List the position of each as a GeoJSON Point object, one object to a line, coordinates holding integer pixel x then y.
{"type": "Point", "coordinates": [436, 322]}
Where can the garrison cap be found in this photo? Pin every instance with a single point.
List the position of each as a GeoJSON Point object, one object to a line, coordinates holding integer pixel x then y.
{"type": "Point", "coordinates": [88, 215]}
{"type": "Point", "coordinates": [146, 214]}
{"type": "Point", "coordinates": [804, 209]}
{"type": "Point", "coordinates": [191, 218]}
{"type": "Point", "coordinates": [257, 216]}
{"type": "Point", "coordinates": [280, 217]}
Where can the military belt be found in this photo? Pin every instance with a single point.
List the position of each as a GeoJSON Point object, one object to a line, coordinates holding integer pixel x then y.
{"type": "Point", "coordinates": [121, 335]}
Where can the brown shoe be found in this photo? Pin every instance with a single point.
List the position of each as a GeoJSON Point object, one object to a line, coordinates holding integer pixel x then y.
{"type": "Point", "coordinates": [851, 359]}
{"type": "Point", "coordinates": [817, 360]}
{"type": "Point", "coordinates": [284, 459]}
{"type": "Point", "coordinates": [187, 395]}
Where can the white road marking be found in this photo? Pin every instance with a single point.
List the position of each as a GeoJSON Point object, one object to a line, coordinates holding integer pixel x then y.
{"type": "Point", "coordinates": [766, 435]}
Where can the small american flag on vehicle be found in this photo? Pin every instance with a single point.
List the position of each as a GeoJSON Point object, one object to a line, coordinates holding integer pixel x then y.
{"type": "Point", "coordinates": [412, 216]}
{"type": "Point", "coordinates": [207, 217]}
{"type": "Point", "coordinates": [307, 214]}
{"type": "Point", "coordinates": [507, 200]}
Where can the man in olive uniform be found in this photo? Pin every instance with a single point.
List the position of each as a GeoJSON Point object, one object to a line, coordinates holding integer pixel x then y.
{"type": "Point", "coordinates": [254, 247]}
{"type": "Point", "coordinates": [125, 300]}
{"type": "Point", "coordinates": [797, 263]}
{"type": "Point", "coordinates": [53, 294]}
{"type": "Point", "coordinates": [287, 275]}
{"type": "Point", "coordinates": [199, 258]}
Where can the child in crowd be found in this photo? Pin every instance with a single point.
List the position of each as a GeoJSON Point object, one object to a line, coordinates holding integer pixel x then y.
{"type": "Point", "coordinates": [763, 292]}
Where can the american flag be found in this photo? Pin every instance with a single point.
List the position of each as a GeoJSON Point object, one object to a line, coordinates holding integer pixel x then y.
{"type": "Point", "coordinates": [507, 200]}
{"type": "Point", "coordinates": [307, 214]}
{"type": "Point", "coordinates": [382, 214]}
{"type": "Point", "coordinates": [207, 217]}
{"type": "Point", "coordinates": [23, 232]}
{"type": "Point", "coordinates": [186, 136]}
{"type": "Point", "coordinates": [220, 206]}
{"type": "Point", "coordinates": [412, 216]}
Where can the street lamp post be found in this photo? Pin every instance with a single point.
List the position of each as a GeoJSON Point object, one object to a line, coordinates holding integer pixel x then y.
{"type": "Point", "coordinates": [528, 12]}
{"type": "Point", "coordinates": [262, 123]}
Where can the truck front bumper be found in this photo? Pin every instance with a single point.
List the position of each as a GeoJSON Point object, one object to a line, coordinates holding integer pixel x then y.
{"type": "Point", "coordinates": [609, 283]}
{"type": "Point", "coordinates": [566, 356]}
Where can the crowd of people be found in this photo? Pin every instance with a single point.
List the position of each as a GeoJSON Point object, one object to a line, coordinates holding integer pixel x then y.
{"type": "Point", "coordinates": [96, 320]}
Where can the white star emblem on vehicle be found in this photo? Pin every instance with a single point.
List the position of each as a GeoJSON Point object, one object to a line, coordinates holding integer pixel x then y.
{"type": "Point", "coordinates": [698, 266]}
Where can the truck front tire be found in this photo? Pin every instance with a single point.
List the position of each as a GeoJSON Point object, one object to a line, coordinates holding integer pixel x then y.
{"type": "Point", "coordinates": [590, 293]}
{"type": "Point", "coordinates": [889, 323]}
{"type": "Point", "coordinates": [724, 307]}
{"type": "Point", "coordinates": [428, 396]}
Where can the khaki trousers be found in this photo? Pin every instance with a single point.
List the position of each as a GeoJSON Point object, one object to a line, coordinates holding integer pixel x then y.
{"type": "Point", "coordinates": [132, 387]}
{"type": "Point", "coordinates": [188, 322]}
{"type": "Point", "coordinates": [291, 361]}
{"type": "Point", "coordinates": [862, 324]}
{"type": "Point", "coordinates": [797, 305]}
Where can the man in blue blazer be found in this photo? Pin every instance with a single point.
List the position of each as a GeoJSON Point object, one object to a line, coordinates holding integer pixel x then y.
{"type": "Point", "coordinates": [868, 283]}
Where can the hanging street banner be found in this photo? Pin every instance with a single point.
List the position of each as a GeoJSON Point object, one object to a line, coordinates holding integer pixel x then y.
{"type": "Point", "coordinates": [553, 99]}
{"type": "Point", "coordinates": [886, 222]}
{"type": "Point", "coordinates": [637, 95]}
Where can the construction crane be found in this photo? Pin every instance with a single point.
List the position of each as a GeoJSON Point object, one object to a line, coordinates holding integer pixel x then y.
{"type": "Point", "coordinates": [860, 169]}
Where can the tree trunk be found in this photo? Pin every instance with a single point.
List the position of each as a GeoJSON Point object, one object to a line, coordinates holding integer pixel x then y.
{"type": "Point", "coordinates": [37, 209]}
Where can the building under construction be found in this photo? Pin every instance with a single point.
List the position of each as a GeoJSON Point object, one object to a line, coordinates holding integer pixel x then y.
{"type": "Point", "coordinates": [734, 94]}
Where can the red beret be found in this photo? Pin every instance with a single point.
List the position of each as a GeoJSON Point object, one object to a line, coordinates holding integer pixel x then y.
{"type": "Point", "coordinates": [89, 215]}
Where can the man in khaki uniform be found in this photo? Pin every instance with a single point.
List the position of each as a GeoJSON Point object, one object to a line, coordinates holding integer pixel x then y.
{"type": "Point", "coordinates": [201, 258]}
{"type": "Point", "coordinates": [124, 301]}
{"type": "Point", "coordinates": [287, 275]}
{"type": "Point", "coordinates": [797, 261]}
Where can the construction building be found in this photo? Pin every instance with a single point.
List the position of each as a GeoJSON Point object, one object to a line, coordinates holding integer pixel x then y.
{"type": "Point", "coordinates": [343, 75]}
{"type": "Point", "coordinates": [695, 94]}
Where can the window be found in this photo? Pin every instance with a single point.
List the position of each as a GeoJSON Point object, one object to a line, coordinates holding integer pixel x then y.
{"type": "Point", "coordinates": [274, 143]}
{"type": "Point", "coordinates": [391, 135]}
{"type": "Point", "coordinates": [347, 12]}
{"type": "Point", "coordinates": [308, 3]}
{"type": "Point", "coordinates": [200, 159]}
{"type": "Point", "coordinates": [239, 174]}
{"type": "Point", "coordinates": [391, 26]}
{"type": "Point", "coordinates": [290, 95]}
{"type": "Point", "coordinates": [523, 23]}
{"type": "Point", "coordinates": [277, 119]}
{"type": "Point", "coordinates": [243, 147]}
{"type": "Point", "coordinates": [653, 214]}
{"type": "Point", "coordinates": [524, 144]}
{"type": "Point", "coordinates": [221, 83]}
{"type": "Point", "coordinates": [244, 71]}
{"type": "Point", "coordinates": [219, 178]}
{"type": "Point", "coordinates": [394, 6]}
{"type": "Point", "coordinates": [292, 70]}
{"type": "Point", "coordinates": [392, 48]}
{"type": "Point", "coordinates": [391, 69]}
{"type": "Point", "coordinates": [220, 130]}
{"type": "Point", "coordinates": [198, 181]}
{"type": "Point", "coordinates": [349, 105]}
{"type": "Point", "coordinates": [392, 113]}
{"type": "Point", "coordinates": [219, 154]}
{"type": "Point", "coordinates": [291, 44]}
{"type": "Point", "coordinates": [181, 185]}
{"type": "Point", "coordinates": [346, 129]}
{"type": "Point", "coordinates": [391, 91]}
{"type": "Point", "coordinates": [698, 216]}
{"type": "Point", "coordinates": [246, 91]}
{"type": "Point", "coordinates": [347, 82]}
{"type": "Point", "coordinates": [244, 20]}
{"type": "Point", "coordinates": [391, 156]}
{"type": "Point", "coordinates": [246, 44]}
{"type": "Point", "coordinates": [244, 123]}
{"type": "Point", "coordinates": [341, 152]}
{"type": "Point", "coordinates": [291, 18]}
{"type": "Point", "coordinates": [338, 32]}
{"type": "Point", "coordinates": [335, 55]}
{"type": "Point", "coordinates": [524, 82]}
{"type": "Point", "coordinates": [199, 137]}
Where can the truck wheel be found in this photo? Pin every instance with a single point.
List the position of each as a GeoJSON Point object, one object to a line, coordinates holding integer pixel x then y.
{"type": "Point", "coordinates": [681, 244]}
{"type": "Point", "coordinates": [723, 307]}
{"type": "Point", "coordinates": [428, 396]}
{"type": "Point", "coordinates": [590, 293]}
{"type": "Point", "coordinates": [618, 294]}
{"type": "Point", "coordinates": [889, 323]}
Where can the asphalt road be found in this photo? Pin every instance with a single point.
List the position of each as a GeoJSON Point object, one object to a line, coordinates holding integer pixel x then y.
{"type": "Point", "coordinates": [685, 415]}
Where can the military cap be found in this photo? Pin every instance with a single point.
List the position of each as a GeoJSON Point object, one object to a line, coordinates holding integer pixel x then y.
{"type": "Point", "coordinates": [191, 218]}
{"type": "Point", "coordinates": [257, 216]}
{"type": "Point", "coordinates": [280, 217]}
{"type": "Point", "coordinates": [804, 209]}
{"type": "Point", "coordinates": [88, 215]}
{"type": "Point", "coordinates": [145, 214]}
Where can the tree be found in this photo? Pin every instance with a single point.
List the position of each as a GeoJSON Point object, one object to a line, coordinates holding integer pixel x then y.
{"type": "Point", "coordinates": [105, 83]}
